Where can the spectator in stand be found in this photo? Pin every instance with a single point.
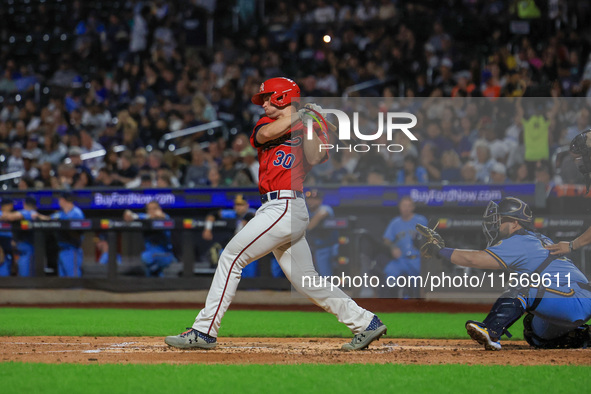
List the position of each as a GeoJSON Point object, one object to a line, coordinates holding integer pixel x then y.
{"type": "Point", "coordinates": [445, 81]}
{"type": "Point", "coordinates": [74, 154]}
{"type": "Point", "coordinates": [46, 178]}
{"type": "Point", "coordinates": [435, 138]}
{"type": "Point", "coordinates": [32, 146]}
{"type": "Point", "coordinates": [250, 163]}
{"type": "Point", "coordinates": [465, 87]}
{"type": "Point", "coordinates": [543, 175]}
{"type": "Point", "coordinates": [164, 179]}
{"type": "Point", "coordinates": [484, 162]}
{"type": "Point", "coordinates": [519, 173]}
{"type": "Point", "coordinates": [15, 160]}
{"type": "Point", "coordinates": [582, 123]}
{"type": "Point", "coordinates": [411, 173]}
{"type": "Point", "coordinates": [498, 174]}
{"type": "Point", "coordinates": [468, 173]}
{"type": "Point", "coordinates": [450, 163]}
{"type": "Point", "coordinates": [110, 136]}
{"type": "Point", "coordinates": [105, 178]}
{"type": "Point", "coordinates": [146, 181]}
{"type": "Point", "coordinates": [491, 87]}
{"type": "Point", "coordinates": [110, 160]}
{"type": "Point", "coordinates": [196, 172]}
{"type": "Point", "coordinates": [228, 170]}
{"type": "Point", "coordinates": [126, 171]}
{"type": "Point", "coordinates": [89, 145]}
{"type": "Point", "coordinates": [430, 163]}
{"type": "Point", "coordinates": [54, 150]}
{"type": "Point", "coordinates": [438, 36]}
{"type": "Point", "coordinates": [536, 131]}
{"type": "Point", "coordinates": [30, 169]}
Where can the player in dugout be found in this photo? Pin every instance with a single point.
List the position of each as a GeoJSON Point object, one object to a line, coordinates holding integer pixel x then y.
{"type": "Point", "coordinates": [70, 254]}
{"type": "Point", "coordinates": [158, 253]}
{"type": "Point", "coordinates": [24, 239]}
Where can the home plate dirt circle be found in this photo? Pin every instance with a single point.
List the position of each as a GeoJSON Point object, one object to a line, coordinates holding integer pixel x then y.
{"type": "Point", "coordinates": [90, 350]}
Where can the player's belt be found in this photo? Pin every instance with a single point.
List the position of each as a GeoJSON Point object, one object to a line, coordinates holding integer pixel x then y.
{"type": "Point", "coordinates": [281, 195]}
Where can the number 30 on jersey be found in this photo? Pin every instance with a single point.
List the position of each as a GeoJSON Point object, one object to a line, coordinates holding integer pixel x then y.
{"type": "Point", "coordinates": [284, 160]}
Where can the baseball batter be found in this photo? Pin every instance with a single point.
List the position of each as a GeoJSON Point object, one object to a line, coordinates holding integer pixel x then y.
{"type": "Point", "coordinates": [279, 225]}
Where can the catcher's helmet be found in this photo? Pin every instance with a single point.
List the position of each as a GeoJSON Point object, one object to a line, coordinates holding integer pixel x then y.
{"type": "Point", "coordinates": [508, 207]}
{"type": "Point", "coordinates": [282, 90]}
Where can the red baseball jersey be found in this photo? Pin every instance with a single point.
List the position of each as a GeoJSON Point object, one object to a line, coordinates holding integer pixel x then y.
{"type": "Point", "coordinates": [282, 164]}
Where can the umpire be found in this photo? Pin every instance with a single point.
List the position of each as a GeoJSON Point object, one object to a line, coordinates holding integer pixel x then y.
{"type": "Point", "coordinates": [580, 147]}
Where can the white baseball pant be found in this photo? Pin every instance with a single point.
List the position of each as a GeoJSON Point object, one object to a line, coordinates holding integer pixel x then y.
{"type": "Point", "coordinates": [278, 226]}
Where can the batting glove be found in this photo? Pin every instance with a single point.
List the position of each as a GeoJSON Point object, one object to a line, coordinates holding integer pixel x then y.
{"type": "Point", "coordinates": [316, 108]}
{"type": "Point", "coordinates": [304, 115]}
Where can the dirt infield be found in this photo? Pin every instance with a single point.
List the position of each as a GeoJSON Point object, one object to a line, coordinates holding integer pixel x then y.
{"type": "Point", "coordinates": [102, 350]}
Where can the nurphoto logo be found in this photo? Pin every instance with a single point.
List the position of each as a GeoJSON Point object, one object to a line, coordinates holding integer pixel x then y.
{"type": "Point", "coordinates": [387, 122]}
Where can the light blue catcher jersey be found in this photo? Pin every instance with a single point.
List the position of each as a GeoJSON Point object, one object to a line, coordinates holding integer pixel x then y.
{"type": "Point", "coordinates": [402, 233]}
{"type": "Point", "coordinates": [524, 251]}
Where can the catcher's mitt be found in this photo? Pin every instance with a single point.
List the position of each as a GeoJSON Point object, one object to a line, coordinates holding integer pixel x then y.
{"type": "Point", "coordinates": [433, 241]}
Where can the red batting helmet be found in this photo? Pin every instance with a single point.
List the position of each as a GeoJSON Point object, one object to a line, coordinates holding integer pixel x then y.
{"type": "Point", "coordinates": [282, 90]}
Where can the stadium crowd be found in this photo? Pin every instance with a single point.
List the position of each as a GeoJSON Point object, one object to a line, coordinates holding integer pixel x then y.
{"type": "Point", "coordinates": [89, 94]}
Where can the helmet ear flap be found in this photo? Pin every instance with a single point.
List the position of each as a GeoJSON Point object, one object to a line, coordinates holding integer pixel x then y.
{"type": "Point", "coordinates": [278, 99]}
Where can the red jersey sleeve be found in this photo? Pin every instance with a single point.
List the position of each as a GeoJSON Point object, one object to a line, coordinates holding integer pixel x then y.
{"type": "Point", "coordinates": [262, 121]}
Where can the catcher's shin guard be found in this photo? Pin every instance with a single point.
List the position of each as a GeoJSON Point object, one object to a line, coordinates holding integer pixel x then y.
{"type": "Point", "coordinates": [578, 338]}
{"type": "Point", "coordinates": [505, 311]}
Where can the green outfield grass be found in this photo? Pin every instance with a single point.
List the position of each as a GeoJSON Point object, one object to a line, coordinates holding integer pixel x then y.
{"type": "Point", "coordinates": [88, 379]}
{"type": "Point", "coordinates": [132, 322]}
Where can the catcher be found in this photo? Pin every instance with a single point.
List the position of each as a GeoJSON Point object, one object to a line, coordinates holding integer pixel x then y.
{"type": "Point", "coordinates": [556, 311]}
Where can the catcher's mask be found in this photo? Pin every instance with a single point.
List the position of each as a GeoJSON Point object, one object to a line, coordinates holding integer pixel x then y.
{"type": "Point", "coordinates": [509, 207]}
{"type": "Point", "coordinates": [580, 146]}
